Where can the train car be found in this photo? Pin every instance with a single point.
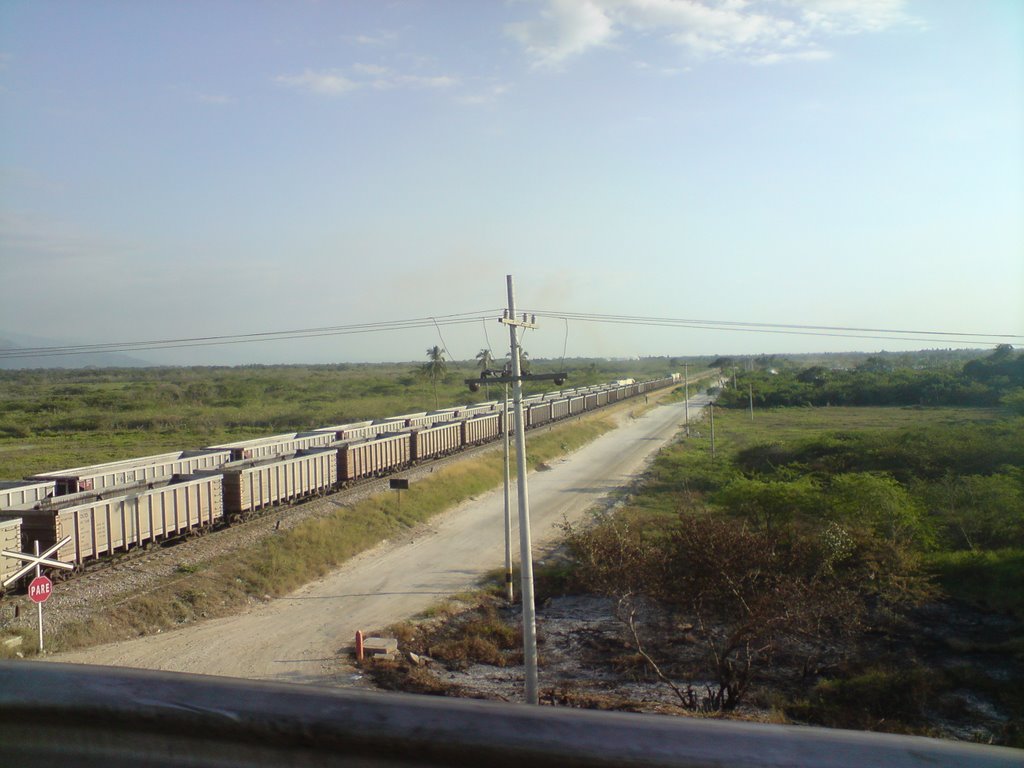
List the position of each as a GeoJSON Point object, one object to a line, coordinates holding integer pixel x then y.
{"type": "Point", "coordinates": [275, 445]}
{"type": "Point", "coordinates": [358, 430]}
{"type": "Point", "coordinates": [10, 539]}
{"type": "Point", "coordinates": [131, 473]}
{"type": "Point", "coordinates": [448, 414]}
{"type": "Point", "coordinates": [386, 426]}
{"type": "Point", "coordinates": [374, 456]}
{"type": "Point", "coordinates": [262, 484]}
{"type": "Point", "coordinates": [439, 440]}
{"type": "Point", "coordinates": [537, 414]}
{"type": "Point", "coordinates": [104, 526]}
{"type": "Point", "coordinates": [560, 408]}
{"type": "Point", "coordinates": [430, 419]}
{"type": "Point", "coordinates": [590, 401]}
{"type": "Point", "coordinates": [479, 409]}
{"type": "Point", "coordinates": [405, 418]}
{"type": "Point", "coordinates": [17, 493]}
{"type": "Point", "coordinates": [481, 429]}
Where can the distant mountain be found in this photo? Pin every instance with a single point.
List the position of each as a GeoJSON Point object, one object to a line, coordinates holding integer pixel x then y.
{"type": "Point", "coordinates": [10, 360]}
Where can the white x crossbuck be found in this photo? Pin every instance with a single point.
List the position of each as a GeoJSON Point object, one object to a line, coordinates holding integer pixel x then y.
{"type": "Point", "coordinates": [37, 560]}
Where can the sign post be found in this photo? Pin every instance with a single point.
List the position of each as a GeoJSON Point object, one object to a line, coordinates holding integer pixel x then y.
{"type": "Point", "coordinates": [399, 484]}
{"type": "Point", "coordinates": [41, 587]}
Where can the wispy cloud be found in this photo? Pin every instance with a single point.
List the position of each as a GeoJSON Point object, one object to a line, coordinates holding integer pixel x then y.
{"type": "Point", "coordinates": [329, 82]}
{"type": "Point", "coordinates": [565, 28]}
{"type": "Point", "coordinates": [335, 82]}
{"type": "Point", "coordinates": [383, 37]}
{"type": "Point", "coordinates": [756, 31]}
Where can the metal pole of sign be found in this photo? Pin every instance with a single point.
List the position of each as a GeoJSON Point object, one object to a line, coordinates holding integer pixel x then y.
{"type": "Point", "coordinates": [39, 572]}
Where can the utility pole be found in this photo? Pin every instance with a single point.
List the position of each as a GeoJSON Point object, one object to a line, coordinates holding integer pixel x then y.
{"type": "Point", "coordinates": [751, 391]}
{"type": "Point", "coordinates": [508, 511]}
{"type": "Point", "coordinates": [525, 546]}
{"type": "Point", "coordinates": [686, 398]}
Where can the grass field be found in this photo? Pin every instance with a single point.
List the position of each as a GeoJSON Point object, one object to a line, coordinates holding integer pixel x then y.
{"type": "Point", "coordinates": [55, 419]}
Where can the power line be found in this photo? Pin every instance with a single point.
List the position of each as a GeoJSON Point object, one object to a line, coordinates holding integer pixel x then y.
{"type": "Point", "coordinates": [245, 338]}
{"type": "Point", "coordinates": [462, 318]}
{"type": "Point", "coordinates": [640, 318]}
{"type": "Point", "coordinates": [782, 328]}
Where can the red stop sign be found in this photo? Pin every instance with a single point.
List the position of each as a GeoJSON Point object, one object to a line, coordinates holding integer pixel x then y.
{"type": "Point", "coordinates": [40, 588]}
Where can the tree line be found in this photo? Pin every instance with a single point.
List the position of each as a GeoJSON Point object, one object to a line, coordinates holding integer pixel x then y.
{"type": "Point", "coordinates": [995, 380]}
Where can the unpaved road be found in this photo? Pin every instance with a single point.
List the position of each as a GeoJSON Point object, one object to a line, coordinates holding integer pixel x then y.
{"type": "Point", "coordinates": [300, 638]}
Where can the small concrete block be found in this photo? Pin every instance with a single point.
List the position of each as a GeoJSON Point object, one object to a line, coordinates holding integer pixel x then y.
{"type": "Point", "coordinates": [372, 645]}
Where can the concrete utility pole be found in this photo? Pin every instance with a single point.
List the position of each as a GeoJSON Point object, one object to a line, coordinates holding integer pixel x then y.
{"type": "Point", "coordinates": [525, 545]}
{"type": "Point", "coordinates": [508, 514]}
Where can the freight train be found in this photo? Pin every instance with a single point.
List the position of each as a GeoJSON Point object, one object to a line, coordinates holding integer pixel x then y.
{"type": "Point", "coordinates": [119, 506]}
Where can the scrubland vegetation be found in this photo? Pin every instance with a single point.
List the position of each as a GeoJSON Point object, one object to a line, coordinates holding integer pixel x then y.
{"type": "Point", "coordinates": [857, 567]}
{"type": "Point", "coordinates": [814, 551]}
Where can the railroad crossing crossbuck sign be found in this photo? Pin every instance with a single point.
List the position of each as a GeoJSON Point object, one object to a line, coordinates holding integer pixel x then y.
{"type": "Point", "coordinates": [41, 587]}
{"type": "Point", "coordinates": [37, 560]}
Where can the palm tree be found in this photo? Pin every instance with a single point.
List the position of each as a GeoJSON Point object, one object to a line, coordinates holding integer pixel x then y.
{"type": "Point", "coordinates": [435, 367]}
{"type": "Point", "coordinates": [485, 358]}
{"type": "Point", "coordinates": [524, 361]}
{"type": "Point", "coordinates": [486, 362]}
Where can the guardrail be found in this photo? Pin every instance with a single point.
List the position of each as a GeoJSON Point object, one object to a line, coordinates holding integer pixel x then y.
{"type": "Point", "coordinates": [61, 714]}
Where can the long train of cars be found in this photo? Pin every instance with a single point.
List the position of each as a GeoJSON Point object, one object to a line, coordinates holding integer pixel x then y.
{"type": "Point", "coordinates": [121, 505]}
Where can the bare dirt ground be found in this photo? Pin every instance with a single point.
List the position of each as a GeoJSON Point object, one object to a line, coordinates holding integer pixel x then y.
{"type": "Point", "coordinates": [588, 658]}
{"type": "Point", "coordinates": [304, 637]}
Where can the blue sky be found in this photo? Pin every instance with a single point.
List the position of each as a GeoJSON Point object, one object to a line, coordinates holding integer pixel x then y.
{"type": "Point", "coordinates": [179, 169]}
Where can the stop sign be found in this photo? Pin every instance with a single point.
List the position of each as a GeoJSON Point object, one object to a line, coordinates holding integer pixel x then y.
{"type": "Point", "coordinates": [40, 588]}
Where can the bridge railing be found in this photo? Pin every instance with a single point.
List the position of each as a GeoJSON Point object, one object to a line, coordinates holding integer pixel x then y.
{"type": "Point", "coordinates": [59, 714]}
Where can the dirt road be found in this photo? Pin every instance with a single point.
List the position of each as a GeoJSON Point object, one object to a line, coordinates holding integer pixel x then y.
{"type": "Point", "coordinates": [300, 638]}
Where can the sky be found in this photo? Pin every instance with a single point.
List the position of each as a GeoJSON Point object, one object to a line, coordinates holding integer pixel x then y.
{"type": "Point", "coordinates": [194, 169]}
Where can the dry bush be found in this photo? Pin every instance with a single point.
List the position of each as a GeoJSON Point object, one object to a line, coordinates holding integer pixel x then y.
{"type": "Point", "coordinates": [741, 594]}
